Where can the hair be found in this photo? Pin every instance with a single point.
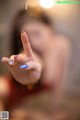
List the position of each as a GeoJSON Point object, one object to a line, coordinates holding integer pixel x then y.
{"type": "Point", "coordinates": [22, 17]}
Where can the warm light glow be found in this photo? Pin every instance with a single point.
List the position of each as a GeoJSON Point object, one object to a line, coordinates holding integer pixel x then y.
{"type": "Point", "coordinates": [47, 3]}
{"type": "Point", "coordinates": [26, 5]}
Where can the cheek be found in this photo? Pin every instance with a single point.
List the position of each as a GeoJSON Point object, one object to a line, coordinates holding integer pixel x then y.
{"type": "Point", "coordinates": [38, 45]}
{"type": "Point", "coordinates": [37, 40]}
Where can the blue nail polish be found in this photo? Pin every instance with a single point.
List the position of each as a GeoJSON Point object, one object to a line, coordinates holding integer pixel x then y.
{"type": "Point", "coordinates": [24, 66]}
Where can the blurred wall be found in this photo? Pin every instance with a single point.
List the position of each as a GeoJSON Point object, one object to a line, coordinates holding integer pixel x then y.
{"type": "Point", "coordinates": [7, 10]}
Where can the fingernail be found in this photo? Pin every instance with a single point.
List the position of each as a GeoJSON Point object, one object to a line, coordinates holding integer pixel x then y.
{"type": "Point", "coordinates": [22, 31]}
{"type": "Point", "coordinates": [10, 62]}
{"type": "Point", "coordinates": [24, 66]}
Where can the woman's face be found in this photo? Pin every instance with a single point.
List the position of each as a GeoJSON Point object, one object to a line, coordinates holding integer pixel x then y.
{"type": "Point", "coordinates": [39, 35]}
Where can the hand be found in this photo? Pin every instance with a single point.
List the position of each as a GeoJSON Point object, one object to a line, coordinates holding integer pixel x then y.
{"type": "Point", "coordinates": [25, 66]}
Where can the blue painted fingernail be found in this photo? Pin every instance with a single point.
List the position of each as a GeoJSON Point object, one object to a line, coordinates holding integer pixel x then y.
{"type": "Point", "coordinates": [24, 66]}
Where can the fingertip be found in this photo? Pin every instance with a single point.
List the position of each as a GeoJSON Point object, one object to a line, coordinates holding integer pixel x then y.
{"type": "Point", "coordinates": [4, 59]}
{"type": "Point", "coordinates": [24, 34]}
{"type": "Point", "coordinates": [22, 31]}
{"type": "Point", "coordinates": [10, 62]}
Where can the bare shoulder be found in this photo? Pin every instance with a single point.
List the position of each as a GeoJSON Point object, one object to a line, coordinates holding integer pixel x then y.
{"type": "Point", "coordinates": [62, 42]}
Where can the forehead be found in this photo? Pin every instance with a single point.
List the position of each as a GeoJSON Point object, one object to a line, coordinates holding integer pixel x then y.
{"type": "Point", "coordinates": [35, 25]}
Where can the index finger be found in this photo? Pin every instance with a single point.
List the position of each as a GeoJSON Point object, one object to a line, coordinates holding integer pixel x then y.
{"type": "Point", "coordinates": [26, 45]}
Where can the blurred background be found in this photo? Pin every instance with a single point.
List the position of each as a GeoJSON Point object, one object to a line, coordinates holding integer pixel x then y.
{"type": "Point", "coordinates": [67, 22]}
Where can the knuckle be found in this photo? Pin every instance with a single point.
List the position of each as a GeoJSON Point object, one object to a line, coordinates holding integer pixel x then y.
{"type": "Point", "coordinates": [12, 57]}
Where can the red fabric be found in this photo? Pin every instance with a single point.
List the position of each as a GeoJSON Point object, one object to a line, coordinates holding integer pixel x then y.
{"type": "Point", "coordinates": [17, 91]}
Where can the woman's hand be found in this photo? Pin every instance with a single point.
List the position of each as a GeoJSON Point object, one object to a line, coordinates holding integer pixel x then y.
{"type": "Point", "coordinates": [25, 67]}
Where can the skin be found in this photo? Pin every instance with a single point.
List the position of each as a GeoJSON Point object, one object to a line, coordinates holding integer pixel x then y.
{"type": "Point", "coordinates": [52, 58]}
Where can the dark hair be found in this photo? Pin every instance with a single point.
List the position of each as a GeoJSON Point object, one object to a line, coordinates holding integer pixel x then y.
{"type": "Point", "coordinates": [22, 17]}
